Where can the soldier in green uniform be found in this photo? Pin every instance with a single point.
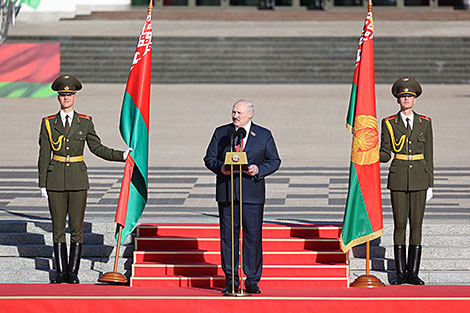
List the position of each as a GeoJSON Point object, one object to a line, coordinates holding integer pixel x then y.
{"type": "Point", "coordinates": [63, 177]}
{"type": "Point", "coordinates": [409, 136]}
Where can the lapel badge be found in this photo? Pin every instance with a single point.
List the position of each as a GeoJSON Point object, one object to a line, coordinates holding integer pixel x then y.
{"type": "Point", "coordinates": [252, 133]}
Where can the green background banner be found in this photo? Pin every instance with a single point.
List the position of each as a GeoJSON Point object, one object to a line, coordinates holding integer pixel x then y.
{"type": "Point", "coordinates": [26, 90]}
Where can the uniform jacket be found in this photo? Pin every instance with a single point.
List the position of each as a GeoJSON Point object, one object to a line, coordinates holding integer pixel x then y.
{"type": "Point", "coordinates": [61, 176]}
{"type": "Point", "coordinates": [407, 175]}
{"type": "Point", "coordinates": [260, 149]}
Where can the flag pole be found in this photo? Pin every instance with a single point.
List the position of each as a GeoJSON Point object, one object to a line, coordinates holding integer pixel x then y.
{"type": "Point", "coordinates": [367, 257]}
{"type": "Point", "coordinates": [115, 277]}
{"type": "Point", "coordinates": [368, 281]}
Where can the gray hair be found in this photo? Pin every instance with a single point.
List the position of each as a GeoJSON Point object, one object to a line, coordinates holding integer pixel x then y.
{"type": "Point", "coordinates": [249, 106]}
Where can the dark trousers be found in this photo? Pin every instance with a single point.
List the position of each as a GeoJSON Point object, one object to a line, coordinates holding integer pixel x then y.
{"type": "Point", "coordinates": [252, 241]}
{"type": "Point", "coordinates": [408, 205]}
{"type": "Point", "coordinates": [73, 204]}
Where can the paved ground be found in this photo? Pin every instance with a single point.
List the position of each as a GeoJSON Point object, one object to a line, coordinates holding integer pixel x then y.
{"type": "Point", "coordinates": [309, 129]}
{"type": "Point", "coordinates": [308, 122]}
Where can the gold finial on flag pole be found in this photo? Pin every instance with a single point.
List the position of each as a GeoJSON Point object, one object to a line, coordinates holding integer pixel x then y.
{"type": "Point", "coordinates": [370, 6]}
{"type": "Point", "coordinates": [149, 11]}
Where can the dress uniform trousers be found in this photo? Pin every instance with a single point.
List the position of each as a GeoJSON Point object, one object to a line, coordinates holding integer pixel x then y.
{"type": "Point", "coordinates": [408, 205]}
{"type": "Point", "coordinates": [73, 204]}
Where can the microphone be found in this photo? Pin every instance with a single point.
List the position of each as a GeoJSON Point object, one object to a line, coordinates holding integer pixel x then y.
{"type": "Point", "coordinates": [241, 133]}
{"type": "Point", "coordinates": [232, 134]}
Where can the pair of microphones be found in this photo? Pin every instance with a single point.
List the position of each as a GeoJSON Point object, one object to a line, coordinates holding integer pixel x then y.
{"type": "Point", "coordinates": [240, 133]}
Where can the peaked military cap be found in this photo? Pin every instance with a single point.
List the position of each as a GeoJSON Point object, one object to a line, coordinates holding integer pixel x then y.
{"type": "Point", "coordinates": [66, 85]}
{"type": "Point", "coordinates": [406, 86]}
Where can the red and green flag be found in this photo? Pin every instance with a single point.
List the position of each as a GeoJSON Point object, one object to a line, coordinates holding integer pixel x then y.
{"type": "Point", "coordinates": [134, 127]}
{"type": "Point", "coordinates": [27, 70]}
{"type": "Point", "coordinates": [363, 214]}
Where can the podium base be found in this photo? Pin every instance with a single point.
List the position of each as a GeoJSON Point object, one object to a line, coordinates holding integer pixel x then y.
{"type": "Point", "coordinates": [113, 278]}
{"type": "Point", "coordinates": [367, 281]}
{"type": "Point", "coordinates": [230, 294]}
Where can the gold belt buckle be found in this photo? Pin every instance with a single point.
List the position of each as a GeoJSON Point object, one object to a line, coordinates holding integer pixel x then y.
{"type": "Point", "coordinates": [67, 159]}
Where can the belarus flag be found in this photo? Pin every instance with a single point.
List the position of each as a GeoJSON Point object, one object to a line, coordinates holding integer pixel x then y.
{"type": "Point", "coordinates": [134, 127]}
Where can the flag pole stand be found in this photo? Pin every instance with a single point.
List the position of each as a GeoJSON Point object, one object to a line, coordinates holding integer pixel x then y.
{"type": "Point", "coordinates": [367, 281]}
{"type": "Point", "coordinates": [115, 277]}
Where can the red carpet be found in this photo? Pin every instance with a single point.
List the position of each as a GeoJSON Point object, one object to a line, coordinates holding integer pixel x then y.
{"type": "Point", "coordinates": [295, 256]}
{"type": "Point", "coordinates": [177, 270]}
{"type": "Point", "coordinates": [104, 298]}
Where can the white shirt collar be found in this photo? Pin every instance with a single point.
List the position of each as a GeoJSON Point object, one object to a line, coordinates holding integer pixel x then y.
{"type": "Point", "coordinates": [404, 117]}
{"type": "Point", "coordinates": [62, 117]}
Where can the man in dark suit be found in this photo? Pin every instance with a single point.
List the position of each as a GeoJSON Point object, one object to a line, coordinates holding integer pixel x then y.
{"type": "Point", "coordinates": [409, 136]}
{"type": "Point", "coordinates": [63, 177]}
{"type": "Point", "coordinates": [263, 160]}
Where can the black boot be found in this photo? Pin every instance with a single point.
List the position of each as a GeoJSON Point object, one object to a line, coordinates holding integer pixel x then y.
{"type": "Point", "coordinates": [60, 259]}
{"type": "Point", "coordinates": [74, 263]}
{"type": "Point", "coordinates": [400, 265]}
{"type": "Point", "coordinates": [414, 258]}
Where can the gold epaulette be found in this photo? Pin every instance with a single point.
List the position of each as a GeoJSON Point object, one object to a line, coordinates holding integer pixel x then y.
{"type": "Point", "coordinates": [84, 116]}
{"type": "Point", "coordinates": [425, 117]}
{"type": "Point", "coordinates": [391, 117]}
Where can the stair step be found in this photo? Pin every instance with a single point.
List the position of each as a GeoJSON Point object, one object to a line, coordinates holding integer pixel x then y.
{"type": "Point", "coordinates": [269, 257]}
{"type": "Point", "coordinates": [86, 276]}
{"type": "Point", "coordinates": [427, 264]}
{"type": "Point", "coordinates": [47, 263]}
{"type": "Point", "coordinates": [433, 277]}
{"type": "Point", "coordinates": [201, 269]}
{"type": "Point", "coordinates": [213, 244]}
{"type": "Point", "coordinates": [46, 251]}
{"type": "Point", "coordinates": [213, 231]}
{"type": "Point", "coordinates": [262, 60]}
{"type": "Point", "coordinates": [219, 282]}
{"type": "Point", "coordinates": [428, 252]}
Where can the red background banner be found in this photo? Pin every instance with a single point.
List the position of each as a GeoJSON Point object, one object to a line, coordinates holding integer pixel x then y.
{"type": "Point", "coordinates": [29, 62]}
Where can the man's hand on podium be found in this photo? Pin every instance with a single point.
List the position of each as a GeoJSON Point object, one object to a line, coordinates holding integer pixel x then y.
{"type": "Point", "coordinates": [225, 169]}
{"type": "Point", "coordinates": [252, 170]}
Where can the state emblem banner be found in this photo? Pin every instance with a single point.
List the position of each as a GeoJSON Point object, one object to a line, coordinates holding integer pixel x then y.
{"type": "Point", "coordinates": [362, 220]}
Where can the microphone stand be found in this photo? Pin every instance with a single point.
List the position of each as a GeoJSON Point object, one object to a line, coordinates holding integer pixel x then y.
{"type": "Point", "coordinates": [233, 158]}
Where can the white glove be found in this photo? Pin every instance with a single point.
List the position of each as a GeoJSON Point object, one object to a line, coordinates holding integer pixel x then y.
{"type": "Point", "coordinates": [44, 192]}
{"type": "Point", "coordinates": [429, 194]}
{"type": "Point", "coordinates": [126, 153]}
